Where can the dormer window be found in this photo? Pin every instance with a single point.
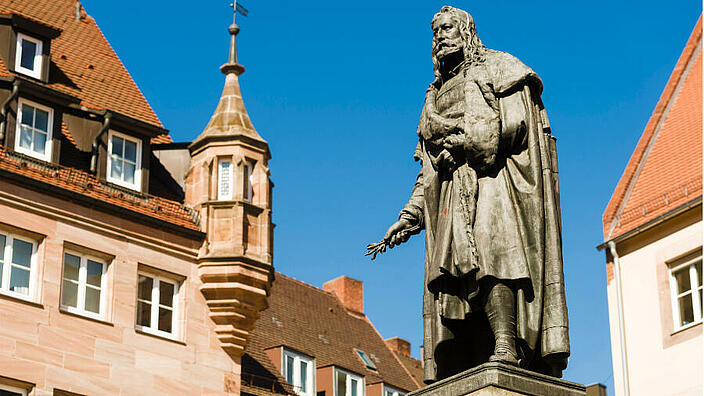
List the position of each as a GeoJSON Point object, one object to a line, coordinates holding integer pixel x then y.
{"type": "Point", "coordinates": [298, 370]}
{"type": "Point", "coordinates": [34, 125]}
{"type": "Point", "coordinates": [348, 384]}
{"type": "Point", "coordinates": [28, 58]}
{"type": "Point", "coordinates": [124, 160]}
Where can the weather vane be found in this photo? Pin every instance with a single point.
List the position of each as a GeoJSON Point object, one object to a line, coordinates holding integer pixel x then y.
{"type": "Point", "coordinates": [237, 7]}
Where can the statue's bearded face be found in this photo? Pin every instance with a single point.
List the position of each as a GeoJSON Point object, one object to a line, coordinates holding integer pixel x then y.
{"type": "Point", "coordinates": [446, 36]}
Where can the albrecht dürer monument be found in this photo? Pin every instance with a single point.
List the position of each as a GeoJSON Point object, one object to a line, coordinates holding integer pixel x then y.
{"type": "Point", "coordinates": [487, 196]}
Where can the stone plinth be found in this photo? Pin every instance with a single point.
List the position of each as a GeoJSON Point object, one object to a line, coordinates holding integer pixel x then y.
{"type": "Point", "coordinates": [498, 379]}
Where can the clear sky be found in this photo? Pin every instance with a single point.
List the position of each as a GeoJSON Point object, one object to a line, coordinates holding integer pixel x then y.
{"type": "Point", "coordinates": [336, 88]}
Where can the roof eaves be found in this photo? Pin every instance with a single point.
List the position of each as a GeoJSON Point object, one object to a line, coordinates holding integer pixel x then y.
{"type": "Point", "coordinates": [652, 223]}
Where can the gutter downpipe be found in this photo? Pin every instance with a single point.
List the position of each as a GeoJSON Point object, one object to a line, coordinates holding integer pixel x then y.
{"type": "Point", "coordinates": [619, 308]}
{"type": "Point", "coordinates": [96, 143]}
{"type": "Point", "coordinates": [4, 108]}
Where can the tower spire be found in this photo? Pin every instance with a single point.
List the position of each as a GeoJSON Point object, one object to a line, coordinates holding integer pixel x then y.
{"type": "Point", "coordinates": [232, 66]}
{"type": "Point", "coordinates": [230, 120]}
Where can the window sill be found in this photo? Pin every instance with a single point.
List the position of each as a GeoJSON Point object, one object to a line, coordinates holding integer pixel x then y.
{"type": "Point", "coordinates": [20, 298]}
{"type": "Point", "coordinates": [63, 310]}
{"type": "Point", "coordinates": [685, 328]}
{"type": "Point", "coordinates": [159, 336]}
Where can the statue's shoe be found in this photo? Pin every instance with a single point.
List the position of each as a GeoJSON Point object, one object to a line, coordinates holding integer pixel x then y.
{"type": "Point", "coordinates": [504, 357]}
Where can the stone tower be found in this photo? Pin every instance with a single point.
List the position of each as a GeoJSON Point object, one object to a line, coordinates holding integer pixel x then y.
{"type": "Point", "coordinates": [228, 184]}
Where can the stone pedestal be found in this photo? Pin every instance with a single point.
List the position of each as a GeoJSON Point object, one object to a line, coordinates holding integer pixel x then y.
{"type": "Point", "coordinates": [498, 379]}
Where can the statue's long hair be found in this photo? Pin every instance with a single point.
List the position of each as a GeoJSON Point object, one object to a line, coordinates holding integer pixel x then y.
{"type": "Point", "coordinates": [473, 48]}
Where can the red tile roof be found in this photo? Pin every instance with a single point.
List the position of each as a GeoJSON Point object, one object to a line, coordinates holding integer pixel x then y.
{"type": "Point", "coordinates": [85, 184]}
{"type": "Point", "coordinates": [665, 170]}
{"type": "Point", "coordinates": [94, 72]}
{"type": "Point", "coordinates": [314, 322]}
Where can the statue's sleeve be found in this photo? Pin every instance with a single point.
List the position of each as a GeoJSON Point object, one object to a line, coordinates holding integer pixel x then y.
{"type": "Point", "coordinates": [514, 113]}
{"type": "Point", "coordinates": [413, 210]}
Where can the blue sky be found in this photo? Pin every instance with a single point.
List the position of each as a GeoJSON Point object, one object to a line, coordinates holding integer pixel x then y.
{"type": "Point", "coordinates": [336, 88]}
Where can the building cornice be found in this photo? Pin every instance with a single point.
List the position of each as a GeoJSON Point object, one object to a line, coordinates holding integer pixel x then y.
{"type": "Point", "coordinates": [51, 189]}
{"type": "Point", "coordinates": [53, 212]}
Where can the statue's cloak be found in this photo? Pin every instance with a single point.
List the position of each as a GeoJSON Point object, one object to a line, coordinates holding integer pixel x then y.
{"type": "Point", "coordinates": [514, 222]}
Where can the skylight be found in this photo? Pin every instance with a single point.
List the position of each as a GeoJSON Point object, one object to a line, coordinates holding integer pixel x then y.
{"type": "Point", "coordinates": [368, 362]}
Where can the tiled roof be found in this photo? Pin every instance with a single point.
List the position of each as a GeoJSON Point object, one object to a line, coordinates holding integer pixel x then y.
{"type": "Point", "coordinates": [85, 184]}
{"type": "Point", "coordinates": [92, 70]}
{"type": "Point", "coordinates": [413, 366]}
{"type": "Point", "coordinates": [665, 170]}
{"type": "Point", "coordinates": [314, 322]}
{"type": "Point", "coordinates": [67, 134]}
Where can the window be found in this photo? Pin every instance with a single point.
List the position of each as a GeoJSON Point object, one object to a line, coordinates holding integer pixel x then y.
{"type": "Point", "coordinates": [348, 384]}
{"type": "Point", "coordinates": [17, 258]}
{"type": "Point", "coordinates": [28, 56]}
{"type": "Point", "coordinates": [124, 161]}
{"type": "Point", "coordinates": [389, 391]}
{"type": "Point", "coordinates": [6, 390]}
{"type": "Point", "coordinates": [686, 291]}
{"type": "Point", "coordinates": [83, 285]}
{"type": "Point", "coordinates": [224, 179]}
{"type": "Point", "coordinates": [298, 370]}
{"type": "Point", "coordinates": [248, 191]}
{"type": "Point", "coordinates": [34, 125]}
{"type": "Point", "coordinates": [368, 362]}
{"type": "Point", "coordinates": [157, 300]}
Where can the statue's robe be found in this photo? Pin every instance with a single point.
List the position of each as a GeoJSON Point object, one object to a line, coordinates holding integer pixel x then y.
{"type": "Point", "coordinates": [490, 212]}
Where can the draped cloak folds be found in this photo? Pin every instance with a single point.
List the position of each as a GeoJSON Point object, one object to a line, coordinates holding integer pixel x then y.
{"type": "Point", "coordinates": [492, 211]}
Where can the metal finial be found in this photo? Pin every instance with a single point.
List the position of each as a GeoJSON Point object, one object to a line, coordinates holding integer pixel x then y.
{"type": "Point", "coordinates": [232, 65]}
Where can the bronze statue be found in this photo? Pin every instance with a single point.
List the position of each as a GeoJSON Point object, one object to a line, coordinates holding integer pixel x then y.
{"type": "Point", "coordinates": [487, 196]}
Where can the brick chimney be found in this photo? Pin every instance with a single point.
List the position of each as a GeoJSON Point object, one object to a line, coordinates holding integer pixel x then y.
{"type": "Point", "coordinates": [349, 291]}
{"type": "Point", "coordinates": [399, 346]}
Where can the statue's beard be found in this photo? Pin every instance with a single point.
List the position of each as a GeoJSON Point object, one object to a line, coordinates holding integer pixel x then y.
{"type": "Point", "coordinates": [445, 49]}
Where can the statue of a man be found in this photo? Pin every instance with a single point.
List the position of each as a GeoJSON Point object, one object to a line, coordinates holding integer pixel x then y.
{"type": "Point", "coordinates": [487, 196]}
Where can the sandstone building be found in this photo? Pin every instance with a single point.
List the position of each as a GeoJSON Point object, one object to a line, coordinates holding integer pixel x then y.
{"type": "Point", "coordinates": [129, 264]}
{"type": "Point", "coordinates": [653, 244]}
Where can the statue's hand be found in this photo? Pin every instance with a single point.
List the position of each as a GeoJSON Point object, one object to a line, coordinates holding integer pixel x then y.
{"type": "Point", "coordinates": [453, 141]}
{"type": "Point", "coordinates": [398, 233]}
{"type": "Point", "coordinates": [442, 126]}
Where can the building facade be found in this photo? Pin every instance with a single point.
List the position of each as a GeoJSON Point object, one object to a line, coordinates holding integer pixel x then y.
{"type": "Point", "coordinates": [319, 342]}
{"type": "Point", "coordinates": [129, 264]}
{"type": "Point", "coordinates": [653, 245]}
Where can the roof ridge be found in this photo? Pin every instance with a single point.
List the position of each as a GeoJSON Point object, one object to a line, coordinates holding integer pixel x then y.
{"type": "Point", "coordinates": [624, 187]}
{"type": "Point", "coordinates": [302, 283]}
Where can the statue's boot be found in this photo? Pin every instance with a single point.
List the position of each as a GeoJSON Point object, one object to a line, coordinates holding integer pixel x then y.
{"type": "Point", "coordinates": [500, 309]}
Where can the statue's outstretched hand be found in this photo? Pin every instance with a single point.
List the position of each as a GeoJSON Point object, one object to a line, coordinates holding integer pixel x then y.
{"type": "Point", "coordinates": [398, 233]}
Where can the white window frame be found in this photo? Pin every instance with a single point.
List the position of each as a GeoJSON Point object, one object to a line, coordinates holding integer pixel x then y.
{"type": "Point", "coordinates": [247, 185]}
{"type": "Point", "coordinates": [82, 285]}
{"type": "Point", "coordinates": [695, 290]}
{"type": "Point", "coordinates": [361, 388]}
{"type": "Point", "coordinates": [138, 166]}
{"type": "Point", "coordinates": [21, 391]}
{"type": "Point", "coordinates": [310, 375]}
{"type": "Point", "coordinates": [46, 156]}
{"type": "Point", "coordinates": [231, 174]}
{"type": "Point", "coordinates": [7, 266]}
{"type": "Point", "coordinates": [391, 391]}
{"type": "Point", "coordinates": [38, 56]}
{"type": "Point", "coordinates": [155, 304]}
